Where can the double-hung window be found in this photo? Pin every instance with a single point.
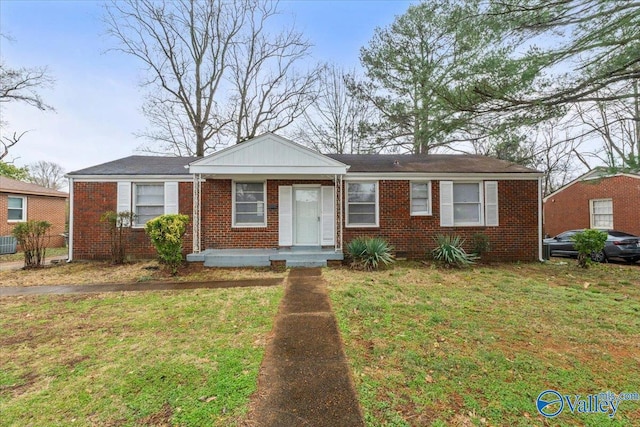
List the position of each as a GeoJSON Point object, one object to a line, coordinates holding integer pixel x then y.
{"type": "Point", "coordinates": [249, 204]}
{"type": "Point", "coordinates": [362, 204]}
{"type": "Point", "coordinates": [420, 198]}
{"type": "Point", "coordinates": [601, 213]}
{"type": "Point", "coordinates": [17, 209]}
{"type": "Point", "coordinates": [148, 202]}
{"type": "Point", "coordinates": [467, 205]}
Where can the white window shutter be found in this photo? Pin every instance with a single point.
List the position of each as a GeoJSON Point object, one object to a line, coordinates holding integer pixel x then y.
{"type": "Point", "coordinates": [171, 197]}
{"type": "Point", "coordinates": [124, 196]}
{"type": "Point", "coordinates": [446, 203]}
{"type": "Point", "coordinates": [285, 215]}
{"type": "Point", "coordinates": [328, 223]}
{"type": "Point", "coordinates": [491, 203]}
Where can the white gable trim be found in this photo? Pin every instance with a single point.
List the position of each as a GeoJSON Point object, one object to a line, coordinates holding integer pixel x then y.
{"type": "Point", "coordinates": [267, 154]}
{"type": "Point", "coordinates": [589, 176]}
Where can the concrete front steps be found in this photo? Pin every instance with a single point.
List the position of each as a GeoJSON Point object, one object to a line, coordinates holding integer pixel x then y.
{"type": "Point", "coordinates": [290, 257]}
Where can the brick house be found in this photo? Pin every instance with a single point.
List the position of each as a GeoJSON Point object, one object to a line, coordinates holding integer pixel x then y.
{"type": "Point", "coordinates": [272, 199]}
{"type": "Point", "coordinates": [23, 201]}
{"type": "Point", "coordinates": [597, 199]}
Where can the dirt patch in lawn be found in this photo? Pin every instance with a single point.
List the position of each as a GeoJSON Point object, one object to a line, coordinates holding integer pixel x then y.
{"type": "Point", "coordinates": [83, 273]}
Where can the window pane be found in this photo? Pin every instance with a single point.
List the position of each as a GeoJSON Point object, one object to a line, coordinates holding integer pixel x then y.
{"type": "Point", "coordinates": [466, 193]}
{"type": "Point", "coordinates": [358, 218]}
{"type": "Point", "coordinates": [360, 209]}
{"type": "Point", "coordinates": [150, 194]}
{"type": "Point", "coordinates": [249, 218]}
{"type": "Point", "coordinates": [15, 214]}
{"type": "Point", "coordinates": [466, 213]}
{"type": "Point", "coordinates": [419, 190]}
{"type": "Point", "coordinates": [249, 192]}
{"type": "Point", "coordinates": [419, 205]}
{"type": "Point", "coordinates": [361, 192]}
{"type": "Point", "coordinates": [15, 203]}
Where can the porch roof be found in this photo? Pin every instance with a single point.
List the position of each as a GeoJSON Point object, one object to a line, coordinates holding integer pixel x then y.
{"type": "Point", "coordinates": [267, 154]}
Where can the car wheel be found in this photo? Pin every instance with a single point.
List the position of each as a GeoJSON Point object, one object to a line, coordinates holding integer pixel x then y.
{"type": "Point", "coordinates": [598, 256]}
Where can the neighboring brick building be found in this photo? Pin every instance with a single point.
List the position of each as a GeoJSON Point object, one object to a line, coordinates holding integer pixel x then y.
{"type": "Point", "coordinates": [270, 193]}
{"type": "Point", "coordinates": [23, 201]}
{"type": "Point", "coordinates": [597, 199]}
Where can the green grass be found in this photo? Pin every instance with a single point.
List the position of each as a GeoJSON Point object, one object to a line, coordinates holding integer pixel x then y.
{"type": "Point", "coordinates": [476, 347]}
{"type": "Point", "coordinates": [153, 358]}
{"type": "Point", "coordinates": [19, 256]}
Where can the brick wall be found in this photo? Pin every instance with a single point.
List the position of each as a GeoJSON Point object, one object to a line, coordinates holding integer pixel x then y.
{"type": "Point", "coordinates": [516, 238]}
{"type": "Point", "coordinates": [91, 237]}
{"type": "Point", "coordinates": [569, 209]}
{"type": "Point", "coordinates": [217, 231]}
{"type": "Point", "coordinates": [41, 208]}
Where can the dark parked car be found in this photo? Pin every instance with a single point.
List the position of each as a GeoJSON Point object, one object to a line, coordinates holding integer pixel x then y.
{"type": "Point", "coordinates": [618, 245]}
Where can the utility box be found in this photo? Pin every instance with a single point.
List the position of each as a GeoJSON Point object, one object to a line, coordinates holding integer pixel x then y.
{"type": "Point", "coordinates": [546, 252]}
{"type": "Point", "coordinates": [8, 245]}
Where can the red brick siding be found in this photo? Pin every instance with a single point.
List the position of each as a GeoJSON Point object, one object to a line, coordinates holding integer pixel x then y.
{"type": "Point", "coordinates": [516, 238]}
{"type": "Point", "coordinates": [41, 208]}
{"type": "Point", "coordinates": [217, 230]}
{"type": "Point", "coordinates": [569, 209]}
{"type": "Point", "coordinates": [91, 237]}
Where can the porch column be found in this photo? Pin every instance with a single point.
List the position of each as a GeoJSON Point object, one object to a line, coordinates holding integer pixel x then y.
{"type": "Point", "coordinates": [337, 182]}
{"type": "Point", "coordinates": [196, 211]}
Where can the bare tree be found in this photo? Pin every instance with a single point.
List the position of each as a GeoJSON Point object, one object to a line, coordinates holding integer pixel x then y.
{"type": "Point", "coordinates": [270, 93]}
{"type": "Point", "coordinates": [335, 122]}
{"type": "Point", "coordinates": [215, 72]}
{"type": "Point", "coordinates": [556, 155]}
{"type": "Point", "coordinates": [47, 174]}
{"type": "Point", "coordinates": [613, 127]}
{"type": "Point", "coordinates": [20, 85]}
{"type": "Point", "coordinates": [185, 45]}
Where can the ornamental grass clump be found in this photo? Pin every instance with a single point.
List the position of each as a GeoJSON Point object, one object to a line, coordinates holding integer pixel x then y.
{"type": "Point", "coordinates": [370, 253]}
{"type": "Point", "coordinates": [450, 252]}
{"type": "Point", "coordinates": [166, 233]}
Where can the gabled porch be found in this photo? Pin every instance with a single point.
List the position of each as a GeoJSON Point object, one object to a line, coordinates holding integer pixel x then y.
{"type": "Point", "coordinates": [284, 198]}
{"type": "Point", "coordinates": [299, 256]}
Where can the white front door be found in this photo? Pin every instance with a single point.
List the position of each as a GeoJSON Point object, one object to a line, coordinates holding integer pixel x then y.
{"type": "Point", "coordinates": [306, 214]}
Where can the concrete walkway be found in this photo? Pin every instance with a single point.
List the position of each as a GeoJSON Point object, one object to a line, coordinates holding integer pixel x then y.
{"type": "Point", "coordinates": [305, 379]}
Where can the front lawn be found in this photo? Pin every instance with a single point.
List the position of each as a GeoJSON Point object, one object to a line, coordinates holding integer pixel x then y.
{"type": "Point", "coordinates": [153, 358]}
{"type": "Point", "coordinates": [93, 272]}
{"type": "Point", "coordinates": [471, 347]}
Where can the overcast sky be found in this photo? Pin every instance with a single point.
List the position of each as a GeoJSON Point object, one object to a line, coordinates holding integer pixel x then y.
{"type": "Point", "coordinates": [96, 94]}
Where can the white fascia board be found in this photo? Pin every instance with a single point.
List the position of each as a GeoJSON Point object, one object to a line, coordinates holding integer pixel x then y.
{"type": "Point", "coordinates": [259, 177]}
{"type": "Point", "coordinates": [451, 176]}
{"type": "Point", "coordinates": [146, 178]}
{"type": "Point", "coordinates": [268, 170]}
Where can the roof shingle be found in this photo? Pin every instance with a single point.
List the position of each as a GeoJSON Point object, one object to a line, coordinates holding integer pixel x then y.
{"type": "Point", "coordinates": [8, 185]}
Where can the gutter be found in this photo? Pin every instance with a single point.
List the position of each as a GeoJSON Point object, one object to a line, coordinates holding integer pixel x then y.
{"type": "Point", "coordinates": [70, 258]}
{"type": "Point", "coordinates": [540, 258]}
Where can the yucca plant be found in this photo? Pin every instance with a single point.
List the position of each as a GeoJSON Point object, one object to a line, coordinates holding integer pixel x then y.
{"type": "Point", "coordinates": [449, 251]}
{"type": "Point", "coordinates": [369, 253]}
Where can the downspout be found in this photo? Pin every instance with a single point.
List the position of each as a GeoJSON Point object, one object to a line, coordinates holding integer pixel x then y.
{"type": "Point", "coordinates": [540, 258]}
{"type": "Point", "coordinates": [70, 257]}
